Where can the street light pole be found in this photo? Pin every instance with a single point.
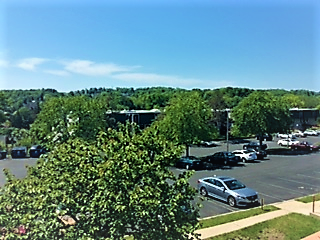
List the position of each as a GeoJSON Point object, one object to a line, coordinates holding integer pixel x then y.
{"type": "Point", "coordinates": [227, 130]}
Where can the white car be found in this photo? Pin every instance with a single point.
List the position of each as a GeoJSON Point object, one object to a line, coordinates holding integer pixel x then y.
{"type": "Point", "coordinates": [245, 155]}
{"type": "Point", "coordinates": [287, 142]}
{"type": "Point", "coordinates": [310, 133]}
{"type": "Point", "coordinates": [298, 133]}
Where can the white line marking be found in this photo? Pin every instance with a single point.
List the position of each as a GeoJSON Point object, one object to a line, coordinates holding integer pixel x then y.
{"type": "Point", "coordinates": [298, 182]}
{"type": "Point", "coordinates": [260, 193]}
{"type": "Point", "coordinates": [287, 189]}
{"type": "Point", "coordinates": [308, 176]}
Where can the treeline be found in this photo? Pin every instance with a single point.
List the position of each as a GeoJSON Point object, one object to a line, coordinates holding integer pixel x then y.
{"type": "Point", "coordinates": [19, 108]}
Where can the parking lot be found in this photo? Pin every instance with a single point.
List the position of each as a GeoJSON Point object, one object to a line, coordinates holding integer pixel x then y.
{"type": "Point", "coordinates": [276, 178]}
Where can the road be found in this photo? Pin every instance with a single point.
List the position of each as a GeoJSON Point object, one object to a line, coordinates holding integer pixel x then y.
{"type": "Point", "coordinates": [276, 178]}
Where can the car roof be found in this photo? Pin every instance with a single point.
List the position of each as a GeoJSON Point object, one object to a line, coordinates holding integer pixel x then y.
{"type": "Point", "coordinates": [222, 178]}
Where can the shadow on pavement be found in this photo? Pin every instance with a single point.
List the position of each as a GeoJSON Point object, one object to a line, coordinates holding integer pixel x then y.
{"type": "Point", "coordinates": [286, 151]}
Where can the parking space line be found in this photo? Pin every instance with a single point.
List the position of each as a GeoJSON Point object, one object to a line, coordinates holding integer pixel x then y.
{"type": "Point", "coordinates": [216, 202]}
{"type": "Point", "coordinates": [287, 189]}
{"type": "Point", "coordinates": [308, 176]}
{"type": "Point", "coordinates": [312, 185]}
{"type": "Point", "coordinates": [260, 193]}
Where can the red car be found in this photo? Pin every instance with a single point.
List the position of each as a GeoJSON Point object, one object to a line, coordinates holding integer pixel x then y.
{"type": "Point", "coordinates": [306, 146]}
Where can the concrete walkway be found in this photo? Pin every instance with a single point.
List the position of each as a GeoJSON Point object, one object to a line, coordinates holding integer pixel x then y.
{"type": "Point", "coordinates": [285, 208]}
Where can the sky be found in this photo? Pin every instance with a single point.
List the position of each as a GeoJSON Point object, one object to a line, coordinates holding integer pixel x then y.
{"type": "Point", "coordinates": [207, 44]}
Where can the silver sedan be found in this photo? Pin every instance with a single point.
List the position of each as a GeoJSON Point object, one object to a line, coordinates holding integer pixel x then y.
{"type": "Point", "coordinates": [228, 189]}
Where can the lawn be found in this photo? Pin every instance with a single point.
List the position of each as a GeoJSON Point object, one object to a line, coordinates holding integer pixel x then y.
{"type": "Point", "coordinates": [291, 226]}
{"type": "Point", "coordinates": [309, 199]}
{"type": "Point", "coordinates": [235, 216]}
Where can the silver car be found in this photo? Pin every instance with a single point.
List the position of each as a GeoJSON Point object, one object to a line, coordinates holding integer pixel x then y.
{"type": "Point", "coordinates": [228, 189]}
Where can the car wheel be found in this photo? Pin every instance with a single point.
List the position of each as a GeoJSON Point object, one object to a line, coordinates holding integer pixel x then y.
{"type": "Point", "coordinates": [187, 166]}
{"type": "Point", "coordinates": [203, 191]}
{"type": "Point", "coordinates": [244, 160]}
{"type": "Point", "coordinates": [231, 201]}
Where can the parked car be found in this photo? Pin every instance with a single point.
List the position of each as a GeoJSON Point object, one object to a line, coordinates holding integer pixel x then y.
{"type": "Point", "coordinates": [245, 155]}
{"type": "Point", "coordinates": [298, 133]}
{"type": "Point", "coordinates": [19, 152]}
{"type": "Point", "coordinates": [190, 162]}
{"type": "Point", "coordinates": [255, 146]}
{"type": "Point", "coordinates": [261, 154]}
{"type": "Point", "coordinates": [228, 189]}
{"type": "Point", "coordinates": [3, 154]}
{"type": "Point", "coordinates": [285, 135]}
{"type": "Point", "coordinates": [36, 150]}
{"type": "Point", "coordinates": [265, 137]}
{"type": "Point", "coordinates": [310, 133]}
{"type": "Point", "coordinates": [209, 143]}
{"type": "Point", "coordinates": [225, 158]}
{"type": "Point", "coordinates": [306, 146]}
{"type": "Point", "coordinates": [287, 142]}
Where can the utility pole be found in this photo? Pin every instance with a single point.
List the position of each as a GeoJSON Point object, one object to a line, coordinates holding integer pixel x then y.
{"type": "Point", "coordinates": [227, 110]}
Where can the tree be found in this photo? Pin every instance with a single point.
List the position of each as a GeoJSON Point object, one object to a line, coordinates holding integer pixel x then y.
{"type": "Point", "coordinates": [259, 113]}
{"type": "Point", "coordinates": [185, 120]}
{"type": "Point", "coordinates": [22, 118]}
{"type": "Point", "coordinates": [116, 186]}
{"type": "Point", "coordinates": [62, 118]}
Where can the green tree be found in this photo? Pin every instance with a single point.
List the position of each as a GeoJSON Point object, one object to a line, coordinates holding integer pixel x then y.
{"type": "Point", "coordinates": [62, 118]}
{"type": "Point", "coordinates": [185, 120]}
{"type": "Point", "coordinates": [293, 101]}
{"type": "Point", "coordinates": [259, 113]}
{"type": "Point", "coordinates": [116, 186]}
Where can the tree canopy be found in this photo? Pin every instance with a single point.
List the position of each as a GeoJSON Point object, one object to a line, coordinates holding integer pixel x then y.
{"type": "Point", "coordinates": [260, 113]}
{"type": "Point", "coordinates": [62, 118]}
{"type": "Point", "coordinates": [116, 186]}
{"type": "Point", "coordinates": [185, 120]}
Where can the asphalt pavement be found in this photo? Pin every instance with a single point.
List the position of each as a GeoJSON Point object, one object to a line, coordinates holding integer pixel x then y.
{"type": "Point", "coordinates": [277, 178]}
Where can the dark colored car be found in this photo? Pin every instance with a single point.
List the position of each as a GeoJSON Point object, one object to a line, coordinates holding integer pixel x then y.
{"type": "Point", "coordinates": [255, 146]}
{"type": "Point", "coordinates": [225, 158]}
{"type": "Point", "coordinates": [19, 152]}
{"type": "Point", "coordinates": [306, 146]}
{"type": "Point", "coordinates": [3, 154]}
{"type": "Point", "coordinates": [190, 162]}
{"type": "Point", "coordinates": [36, 150]}
{"type": "Point", "coordinates": [264, 137]}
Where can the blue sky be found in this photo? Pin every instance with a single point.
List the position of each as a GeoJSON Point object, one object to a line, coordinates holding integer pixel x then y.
{"type": "Point", "coordinates": [72, 45]}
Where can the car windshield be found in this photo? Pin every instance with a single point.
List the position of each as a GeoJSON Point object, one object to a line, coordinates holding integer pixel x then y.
{"type": "Point", "coordinates": [234, 184]}
{"type": "Point", "coordinates": [247, 151]}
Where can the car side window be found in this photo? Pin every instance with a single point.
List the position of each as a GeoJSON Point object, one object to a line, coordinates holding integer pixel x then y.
{"type": "Point", "coordinates": [218, 184]}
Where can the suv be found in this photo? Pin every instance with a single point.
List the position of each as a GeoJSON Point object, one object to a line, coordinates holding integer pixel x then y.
{"type": "Point", "coordinates": [255, 146]}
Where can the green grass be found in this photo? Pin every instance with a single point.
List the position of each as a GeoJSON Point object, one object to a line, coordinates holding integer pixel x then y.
{"type": "Point", "coordinates": [235, 216]}
{"type": "Point", "coordinates": [309, 199]}
{"type": "Point", "coordinates": [292, 226]}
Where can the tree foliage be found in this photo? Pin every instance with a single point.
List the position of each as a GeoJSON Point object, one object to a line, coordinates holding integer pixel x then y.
{"type": "Point", "coordinates": [62, 118]}
{"type": "Point", "coordinates": [260, 113]}
{"type": "Point", "coordinates": [119, 185]}
{"type": "Point", "coordinates": [185, 120]}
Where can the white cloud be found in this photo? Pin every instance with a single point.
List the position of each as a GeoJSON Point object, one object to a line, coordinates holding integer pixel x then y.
{"type": "Point", "coordinates": [94, 69]}
{"type": "Point", "coordinates": [30, 63]}
{"type": "Point", "coordinates": [57, 72]}
{"type": "Point", "coordinates": [4, 63]}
